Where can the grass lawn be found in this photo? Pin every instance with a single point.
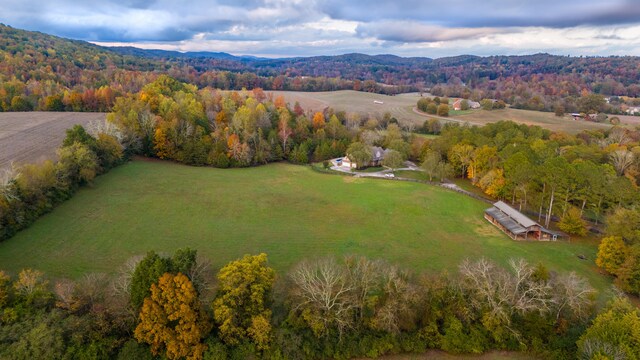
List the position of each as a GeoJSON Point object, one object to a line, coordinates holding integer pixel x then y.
{"type": "Point", "coordinates": [290, 212]}
{"type": "Point", "coordinates": [466, 184]}
{"type": "Point", "coordinates": [370, 169]}
{"type": "Point", "coordinates": [410, 174]}
{"type": "Point", "coordinates": [459, 112]}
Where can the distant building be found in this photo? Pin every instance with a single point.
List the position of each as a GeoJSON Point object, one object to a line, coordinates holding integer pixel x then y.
{"type": "Point", "coordinates": [517, 225]}
{"type": "Point", "coordinates": [586, 117]}
{"type": "Point", "coordinates": [633, 110]}
{"type": "Point", "coordinates": [457, 105]}
{"type": "Point", "coordinates": [377, 155]}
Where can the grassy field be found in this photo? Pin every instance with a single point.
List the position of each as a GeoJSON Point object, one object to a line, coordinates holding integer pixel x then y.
{"type": "Point", "coordinates": [27, 137]}
{"type": "Point", "coordinates": [402, 108]}
{"type": "Point", "coordinates": [287, 211]}
{"type": "Point", "coordinates": [544, 119]}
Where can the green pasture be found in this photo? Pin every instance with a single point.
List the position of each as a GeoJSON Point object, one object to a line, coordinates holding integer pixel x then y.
{"type": "Point", "coordinates": [290, 212]}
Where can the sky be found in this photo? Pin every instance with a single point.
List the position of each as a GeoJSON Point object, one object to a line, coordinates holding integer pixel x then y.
{"type": "Point", "coordinates": [285, 28]}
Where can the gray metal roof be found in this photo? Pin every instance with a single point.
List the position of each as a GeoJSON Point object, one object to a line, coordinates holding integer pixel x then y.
{"type": "Point", "coordinates": [378, 153]}
{"type": "Point", "coordinates": [506, 221]}
{"type": "Point", "coordinates": [514, 214]}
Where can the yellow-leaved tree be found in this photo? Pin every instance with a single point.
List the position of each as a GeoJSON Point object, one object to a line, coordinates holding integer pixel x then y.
{"type": "Point", "coordinates": [241, 308]}
{"type": "Point", "coordinates": [612, 253]}
{"type": "Point", "coordinates": [171, 319]}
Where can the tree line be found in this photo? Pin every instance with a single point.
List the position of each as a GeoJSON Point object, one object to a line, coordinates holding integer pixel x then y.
{"type": "Point", "coordinates": [176, 307]}
{"type": "Point", "coordinates": [550, 175]}
{"type": "Point", "coordinates": [31, 190]}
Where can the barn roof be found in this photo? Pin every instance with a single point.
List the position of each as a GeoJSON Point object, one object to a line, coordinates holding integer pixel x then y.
{"type": "Point", "coordinates": [514, 214]}
{"type": "Point", "coordinates": [506, 221]}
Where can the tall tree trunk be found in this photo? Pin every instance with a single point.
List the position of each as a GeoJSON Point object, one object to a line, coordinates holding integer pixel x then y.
{"type": "Point", "coordinates": [548, 220]}
{"type": "Point", "coordinates": [599, 207]}
{"type": "Point", "coordinates": [566, 203]}
{"type": "Point", "coordinates": [584, 202]}
{"type": "Point", "coordinates": [541, 202]}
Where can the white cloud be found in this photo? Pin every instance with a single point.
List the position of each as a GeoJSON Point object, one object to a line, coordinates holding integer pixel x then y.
{"type": "Point", "coordinates": [315, 27]}
{"type": "Point", "coordinates": [413, 32]}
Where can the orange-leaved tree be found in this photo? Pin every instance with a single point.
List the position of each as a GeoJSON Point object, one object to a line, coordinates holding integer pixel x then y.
{"type": "Point", "coordinates": [318, 120]}
{"type": "Point", "coordinates": [171, 319]}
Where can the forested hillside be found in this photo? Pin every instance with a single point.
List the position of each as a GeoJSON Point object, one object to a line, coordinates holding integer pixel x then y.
{"type": "Point", "coordinates": [43, 72]}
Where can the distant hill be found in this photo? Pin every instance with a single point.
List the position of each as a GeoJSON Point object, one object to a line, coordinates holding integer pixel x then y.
{"type": "Point", "coordinates": [42, 56]}
{"type": "Point", "coordinates": [37, 65]}
{"type": "Point", "coordinates": [166, 54]}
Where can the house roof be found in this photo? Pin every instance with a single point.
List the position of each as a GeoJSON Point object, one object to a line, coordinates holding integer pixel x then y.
{"type": "Point", "coordinates": [514, 214]}
{"type": "Point", "coordinates": [378, 153]}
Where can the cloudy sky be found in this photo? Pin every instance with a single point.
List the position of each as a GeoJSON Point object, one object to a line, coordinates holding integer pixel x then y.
{"type": "Point", "coordinates": [277, 28]}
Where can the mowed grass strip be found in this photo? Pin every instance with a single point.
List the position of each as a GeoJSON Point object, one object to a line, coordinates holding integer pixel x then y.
{"type": "Point", "coordinates": [290, 212]}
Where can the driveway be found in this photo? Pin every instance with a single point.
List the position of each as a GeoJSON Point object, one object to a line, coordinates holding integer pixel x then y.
{"type": "Point", "coordinates": [410, 166]}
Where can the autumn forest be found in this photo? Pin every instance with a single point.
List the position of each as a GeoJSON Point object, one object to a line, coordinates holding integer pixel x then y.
{"type": "Point", "coordinates": [216, 110]}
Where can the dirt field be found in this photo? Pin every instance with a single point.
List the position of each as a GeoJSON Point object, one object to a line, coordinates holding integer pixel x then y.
{"type": "Point", "coordinates": [27, 137]}
{"type": "Point", "coordinates": [628, 119]}
{"type": "Point", "coordinates": [529, 117]}
{"type": "Point", "coordinates": [402, 108]}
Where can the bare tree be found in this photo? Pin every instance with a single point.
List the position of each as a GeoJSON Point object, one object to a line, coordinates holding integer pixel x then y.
{"type": "Point", "coordinates": [7, 178]}
{"type": "Point", "coordinates": [202, 275]}
{"type": "Point", "coordinates": [409, 126]}
{"type": "Point", "coordinates": [572, 293]}
{"type": "Point", "coordinates": [397, 301]}
{"type": "Point", "coordinates": [621, 160]}
{"type": "Point", "coordinates": [618, 135]}
{"type": "Point", "coordinates": [503, 293]}
{"type": "Point", "coordinates": [105, 127]}
{"type": "Point", "coordinates": [363, 276]}
{"type": "Point", "coordinates": [324, 289]}
{"type": "Point", "coordinates": [65, 291]}
{"type": "Point", "coordinates": [353, 121]}
{"type": "Point", "coordinates": [93, 287]}
{"type": "Point", "coordinates": [597, 349]}
{"type": "Point", "coordinates": [370, 137]}
{"type": "Point", "coordinates": [122, 283]}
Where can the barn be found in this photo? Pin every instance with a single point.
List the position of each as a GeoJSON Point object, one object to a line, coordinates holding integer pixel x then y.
{"type": "Point", "coordinates": [517, 225]}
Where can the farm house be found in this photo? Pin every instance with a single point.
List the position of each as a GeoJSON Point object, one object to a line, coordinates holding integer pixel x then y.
{"type": "Point", "coordinates": [517, 225]}
{"type": "Point", "coordinates": [377, 155]}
